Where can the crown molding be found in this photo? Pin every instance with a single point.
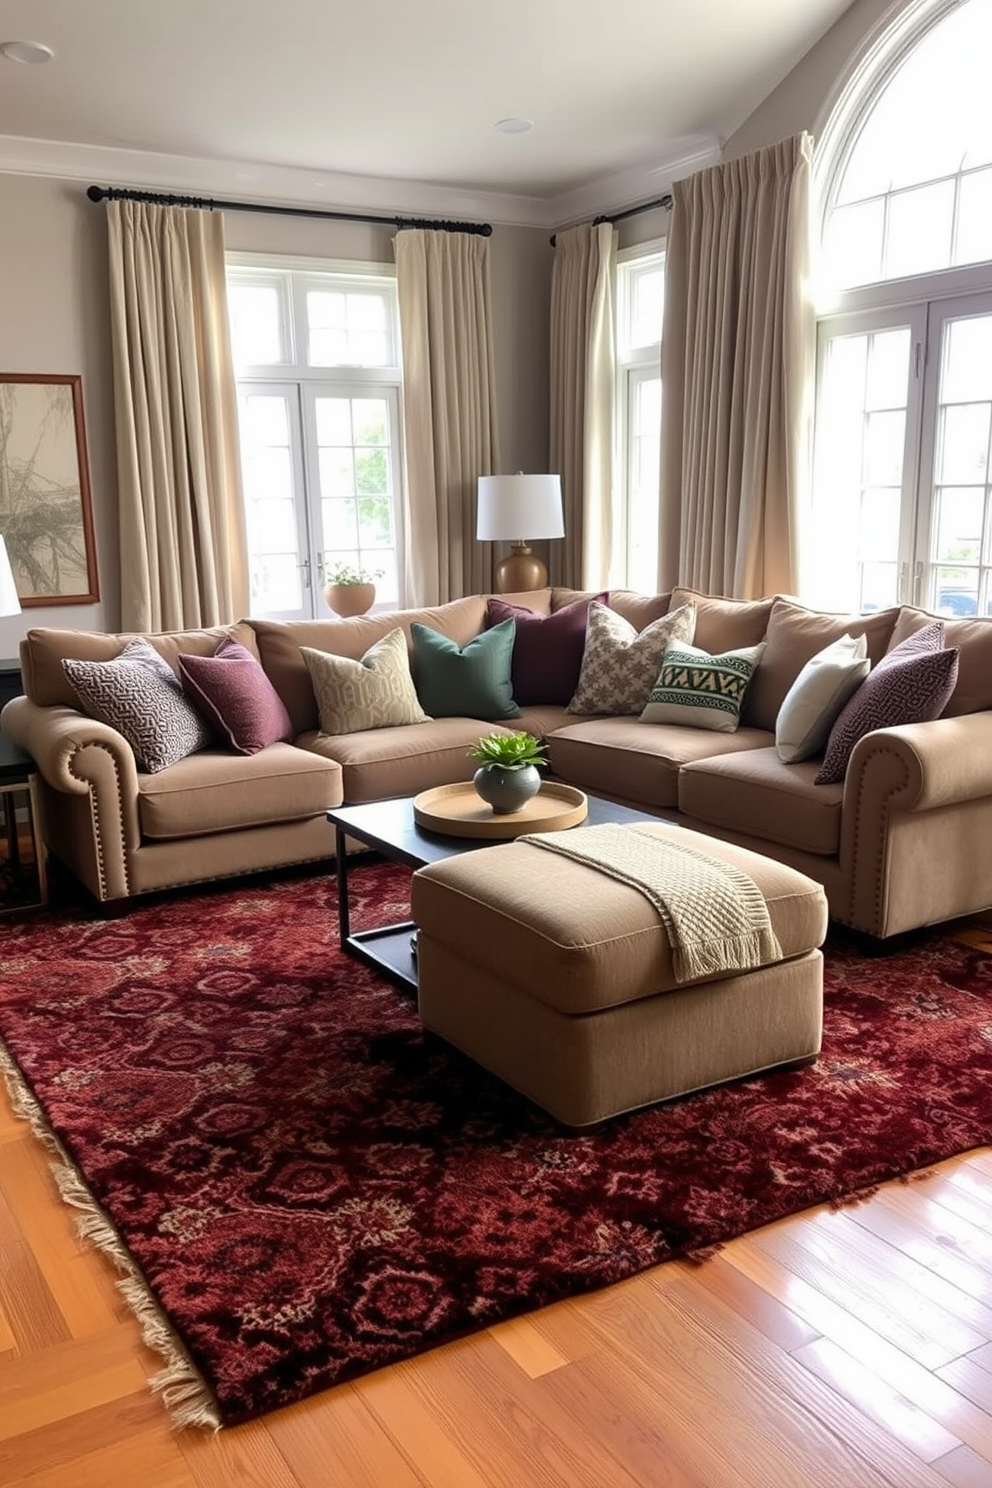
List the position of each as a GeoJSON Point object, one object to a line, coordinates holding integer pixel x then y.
{"type": "Point", "coordinates": [292, 186]}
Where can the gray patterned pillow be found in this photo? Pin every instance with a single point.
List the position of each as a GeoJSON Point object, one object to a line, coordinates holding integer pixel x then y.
{"type": "Point", "coordinates": [376, 692]}
{"type": "Point", "coordinates": [139, 695]}
{"type": "Point", "coordinates": [620, 664]}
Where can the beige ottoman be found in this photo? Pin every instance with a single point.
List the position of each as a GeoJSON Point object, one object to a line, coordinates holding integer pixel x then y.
{"type": "Point", "coordinates": [559, 979]}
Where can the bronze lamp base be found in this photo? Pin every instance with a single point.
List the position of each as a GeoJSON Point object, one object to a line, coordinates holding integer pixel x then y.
{"type": "Point", "coordinates": [520, 571]}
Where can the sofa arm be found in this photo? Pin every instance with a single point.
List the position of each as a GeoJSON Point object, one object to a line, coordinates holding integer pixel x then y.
{"type": "Point", "coordinates": [905, 790]}
{"type": "Point", "coordinates": [79, 757]}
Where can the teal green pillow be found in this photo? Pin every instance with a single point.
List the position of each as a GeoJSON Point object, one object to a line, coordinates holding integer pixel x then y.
{"type": "Point", "coordinates": [469, 682]}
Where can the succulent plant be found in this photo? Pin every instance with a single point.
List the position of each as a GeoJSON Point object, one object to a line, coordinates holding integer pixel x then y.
{"type": "Point", "coordinates": [508, 751]}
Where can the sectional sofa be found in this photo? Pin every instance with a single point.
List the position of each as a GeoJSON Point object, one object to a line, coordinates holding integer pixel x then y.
{"type": "Point", "coordinates": [902, 840]}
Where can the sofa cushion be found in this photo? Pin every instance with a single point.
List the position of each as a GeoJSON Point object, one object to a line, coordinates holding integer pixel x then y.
{"type": "Point", "coordinates": [814, 700]}
{"type": "Point", "coordinates": [279, 645]}
{"type": "Point", "coordinates": [973, 642]}
{"type": "Point", "coordinates": [375, 692]}
{"type": "Point", "coordinates": [752, 793]}
{"type": "Point", "coordinates": [794, 635]}
{"type": "Point", "coordinates": [700, 690]}
{"type": "Point", "coordinates": [139, 695]}
{"type": "Point", "coordinates": [911, 684]}
{"type": "Point", "coordinates": [627, 759]}
{"type": "Point", "coordinates": [620, 664]}
{"type": "Point", "coordinates": [471, 681]}
{"type": "Point", "coordinates": [232, 692]}
{"type": "Point", "coordinates": [215, 791]}
{"type": "Point", "coordinates": [379, 763]}
{"type": "Point", "coordinates": [547, 650]}
{"type": "Point", "coordinates": [724, 624]}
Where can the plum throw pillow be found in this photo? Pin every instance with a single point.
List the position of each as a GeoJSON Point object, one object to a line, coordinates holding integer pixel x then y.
{"type": "Point", "coordinates": [911, 684]}
{"type": "Point", "coordinates": [701, 690]}
{"type": "Point", "coordinates": [138, 694]}
{"type": "Point", "coordinates": [470, 681]}
{"type": "Point", "coordinates": [813, 702]}
{"type": "Point", "coordinates": [547, 650]}
{"type": "Point", "coordinates": [232, 692]}
{"type": "Point", "coordinates": [620, 664]}
{"type": "Point", "coordinates": [376, 692]}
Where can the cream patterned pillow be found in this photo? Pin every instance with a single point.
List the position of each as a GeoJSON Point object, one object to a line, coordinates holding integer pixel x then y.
{"type": "Point", "coordinates": [700, 690]}
{"type": "Point", "coordinates": [376, 692]}
{"type": "Point", "coordinates": [620, 664]}
{"type": "Point", "coordinates": [815, 699]}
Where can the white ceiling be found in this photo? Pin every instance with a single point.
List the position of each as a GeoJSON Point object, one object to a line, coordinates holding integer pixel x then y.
{"type": "Point", "coordinates": [395, 90]}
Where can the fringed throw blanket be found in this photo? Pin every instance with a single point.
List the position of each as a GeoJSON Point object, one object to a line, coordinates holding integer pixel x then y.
{"type": "Point", "coordinates": [715, 915]}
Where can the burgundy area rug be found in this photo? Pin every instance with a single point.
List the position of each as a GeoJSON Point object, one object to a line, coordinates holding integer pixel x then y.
{"type": "Point", "coordinates": [310, 1187]}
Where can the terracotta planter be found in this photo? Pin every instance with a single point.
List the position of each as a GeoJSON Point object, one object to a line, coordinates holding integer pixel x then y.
{"type": "Point", "coordinates": [350, 599]}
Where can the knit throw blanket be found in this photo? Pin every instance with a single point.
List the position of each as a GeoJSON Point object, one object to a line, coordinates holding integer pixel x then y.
{"type": "Point", "coordinates": [715, 915]}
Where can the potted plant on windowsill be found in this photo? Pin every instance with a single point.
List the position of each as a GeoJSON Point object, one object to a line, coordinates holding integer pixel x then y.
{"type": "Point", "coordinates": [507, 776]}
{"type": "Point", "coordinates": [351, 591]}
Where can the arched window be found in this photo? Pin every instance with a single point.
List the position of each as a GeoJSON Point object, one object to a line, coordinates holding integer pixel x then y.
{"type": "Point", "coordinates": [901, 507]}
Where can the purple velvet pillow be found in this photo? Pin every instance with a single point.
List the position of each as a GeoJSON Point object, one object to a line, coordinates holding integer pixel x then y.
{"type": "Point", "coordinates": [232, 692]}
{"type": "Point", "coordinates": [547, 650]}
{"type": "Point", "coordinates": [911, 684]}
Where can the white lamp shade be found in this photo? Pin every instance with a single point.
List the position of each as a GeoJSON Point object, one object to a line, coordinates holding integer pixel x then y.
{"type": "Point", "coordinates": [519, 508]}
{"type": "Point", "coordinates": [9, 602]}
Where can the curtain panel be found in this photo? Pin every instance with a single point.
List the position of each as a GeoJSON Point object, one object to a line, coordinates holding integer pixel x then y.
{"type": "Point", "coordinates": [183, 547]}
{"type": "Point", "coordinates": [737, 369]}
{"type": "Point", "coordinates": [449, 409]}
{"type": "Point", "coordinates": [583, 380]}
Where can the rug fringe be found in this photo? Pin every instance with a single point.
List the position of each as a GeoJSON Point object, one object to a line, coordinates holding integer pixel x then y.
{"type": "Point", "coordinates": [185, 1393]}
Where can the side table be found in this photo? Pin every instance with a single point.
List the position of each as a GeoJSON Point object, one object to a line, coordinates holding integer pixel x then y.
{"type": "Point", "coordinates": [18, 775]}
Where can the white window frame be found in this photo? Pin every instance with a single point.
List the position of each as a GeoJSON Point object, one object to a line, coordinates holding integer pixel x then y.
{"type": "Point", "coordinates": [302, 383]}
{"type": "Point", "coordinates": [635, 364]}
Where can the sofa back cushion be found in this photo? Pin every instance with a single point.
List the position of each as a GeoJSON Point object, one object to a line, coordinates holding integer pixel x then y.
{"type": "Point", "coordinates": [794, 636]}
{"type": "Point", "coordinates": [724, 624]}
{"type": "Point", "coordinates": [973, 640]}
{"type": "Point", "coordinates": [44, 649]}
{"type": "Point", "coordinates": [279, 645]}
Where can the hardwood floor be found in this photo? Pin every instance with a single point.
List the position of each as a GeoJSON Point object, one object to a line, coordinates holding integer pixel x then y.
{"type": "Point", "coordinates": [837, 1349]}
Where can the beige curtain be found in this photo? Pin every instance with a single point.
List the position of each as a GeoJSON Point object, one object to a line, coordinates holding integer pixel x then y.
{"type": "Point", "coordinates": [449, 413]}
{"type": "Point", "coordinates": [736, 371]}
{"type": "Point", "coordinates": [182, 524]}
{"type": "Point", "coordinates": [583, 374]}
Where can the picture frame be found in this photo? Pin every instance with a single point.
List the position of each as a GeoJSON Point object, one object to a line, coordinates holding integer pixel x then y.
{"type": "Point", "coordinates": [46, 511]}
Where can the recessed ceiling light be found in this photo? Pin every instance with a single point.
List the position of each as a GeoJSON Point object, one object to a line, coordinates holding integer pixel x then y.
{"type": "Point", "coordinates": [514, 126]}
{"type": "Point", "coordinates": [32, 52]}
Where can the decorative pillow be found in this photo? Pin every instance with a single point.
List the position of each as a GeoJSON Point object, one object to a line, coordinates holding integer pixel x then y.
{"type": "Point", "coordinates": [232, 692]}
{"type": "Point", "coordinates": [911, 684]}
{"type": "Point", "coordinates": [814, 700]}
{"type": "Point", "coordinates": [138, 694]}
{"type": "Point", "coordinates": [547, 650]}
{"type": "Point", "coordinates": [700, 690]}
{"type": "Point", "coordinates": [465, 682]}
{"type": "Point", "coordinates": [620, 664]}
{"type": "Point", "coordinates": [376, 692]}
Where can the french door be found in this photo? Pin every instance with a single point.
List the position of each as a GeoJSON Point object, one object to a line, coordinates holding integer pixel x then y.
{"type": "Point", "coordinates": [901, 510]}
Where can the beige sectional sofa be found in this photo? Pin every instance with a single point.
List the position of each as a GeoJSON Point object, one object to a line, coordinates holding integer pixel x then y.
{"type": "Point", "coordinates": [904, 840]}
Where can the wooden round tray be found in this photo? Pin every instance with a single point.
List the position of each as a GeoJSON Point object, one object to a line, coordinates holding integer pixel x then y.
{"type": "Point", "coordinates": [457, 811]}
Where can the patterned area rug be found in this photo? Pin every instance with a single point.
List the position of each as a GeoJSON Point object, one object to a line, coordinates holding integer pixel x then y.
{"type": "Point", "coordinates": [310, 1188]}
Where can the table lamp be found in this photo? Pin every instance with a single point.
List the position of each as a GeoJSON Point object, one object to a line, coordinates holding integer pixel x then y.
{"type": "Point", "coordinates": [9, 602]}
{"type": "Point", "coordinates": [519, 509]}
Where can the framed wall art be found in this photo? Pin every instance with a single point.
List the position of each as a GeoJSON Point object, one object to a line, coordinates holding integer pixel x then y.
{"type": "Point", "coordinates": [46, 514]}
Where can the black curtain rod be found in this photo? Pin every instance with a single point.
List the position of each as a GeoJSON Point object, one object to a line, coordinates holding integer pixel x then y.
{"type": "Point", "coordinates": [665, 202]}
{"type": "Point", "coordinates": [206, 203]}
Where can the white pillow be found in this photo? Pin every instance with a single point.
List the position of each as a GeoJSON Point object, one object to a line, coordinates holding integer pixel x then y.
{"type": "Point", "coordinates": [815, 699]}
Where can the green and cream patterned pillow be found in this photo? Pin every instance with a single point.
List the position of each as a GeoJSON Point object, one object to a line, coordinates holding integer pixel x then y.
{"type": "Point", "coordinates": [700, 690]}
{"type": "Point", "coordinates": [619, 664]}
{"type": "Point", "coordinates": [376, 692]}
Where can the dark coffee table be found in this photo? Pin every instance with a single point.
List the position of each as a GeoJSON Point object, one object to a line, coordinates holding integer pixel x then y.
{"type": "Point", "coordinates": [388, 827]}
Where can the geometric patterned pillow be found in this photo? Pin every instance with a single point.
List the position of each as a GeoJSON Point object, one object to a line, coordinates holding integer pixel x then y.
{"type": "Point", "coordinates": [233, 692]}
{"type": "Point", "coordinates": [376, 692]}
{"type": "Point", "coordinates": [699, 690]}
{"type": "Point", "coordinates": [139, 695]}
{"type": "Point", "coordinates": [620, 665]}
{"type": "Point", "coordinates": [909, 685]}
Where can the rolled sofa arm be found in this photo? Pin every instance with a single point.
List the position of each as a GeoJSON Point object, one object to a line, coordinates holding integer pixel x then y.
{"type": "Point", "coordinates": [79, 757]}
{"type": "Point", "coordinates": [909, 792]}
